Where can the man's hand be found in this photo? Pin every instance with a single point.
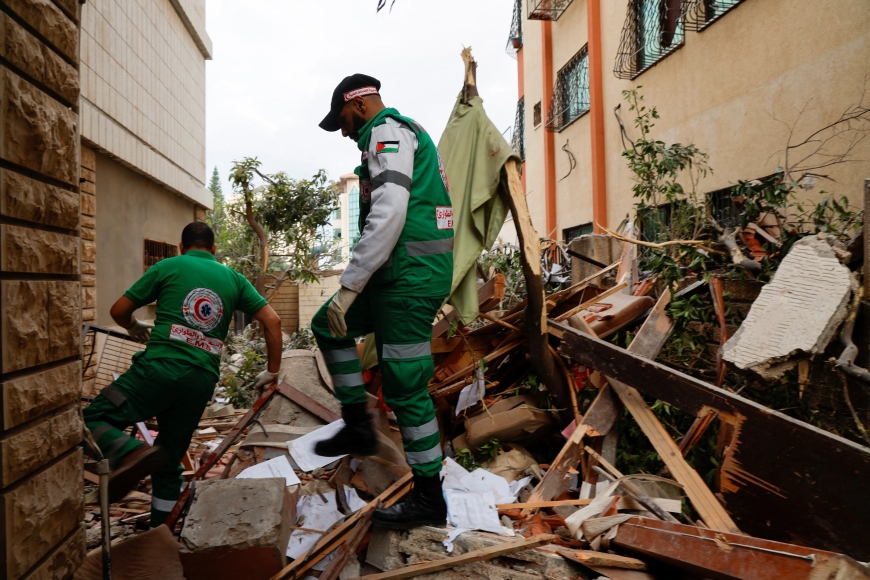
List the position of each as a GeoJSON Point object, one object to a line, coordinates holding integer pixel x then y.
{"type": "Point", "coordinates": [338, 307]}
{"type": "Point", "coordinates": [263, 379]}
{"type": "Point", "coordinates": [141, 331]}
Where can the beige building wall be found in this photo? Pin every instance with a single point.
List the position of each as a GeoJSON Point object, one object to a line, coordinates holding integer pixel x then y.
{"type": "Point", "coordinates": [313, 296]}
{"type": "Point", "coordinates": [731, 90]}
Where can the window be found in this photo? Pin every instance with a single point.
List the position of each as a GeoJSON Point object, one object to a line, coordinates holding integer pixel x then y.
{"type": "Point", "coordinates": [518, 139]}
{"type": "Point", "coordinates": [515, 37]}
{"type": "Point", "coordinates": [536, 114]}
{"type": "Point", "coordinates": [571, 93]}
{"type": "Point", "coordinates": [156, 251]}
{"type": "Point", "coordinates": [336, 233]}
{"type": "Point", "coordinates": [547, 9]}
{"type": "Point", "coordinates": [703, 13]}
{"type": "Point", "coordinates": [722, 208]}
{"type": "Point", "coordinates": [654, 222]}
{"type": "Point", "coordinates": [570, 233]}
{"type": "Point", "coordinates": [653, 29]}
{"type": "Point", "coordinates": [336, 213]}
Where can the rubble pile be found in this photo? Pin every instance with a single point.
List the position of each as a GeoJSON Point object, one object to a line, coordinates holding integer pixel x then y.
{"type": "Point", "coordinates": [529, 494]}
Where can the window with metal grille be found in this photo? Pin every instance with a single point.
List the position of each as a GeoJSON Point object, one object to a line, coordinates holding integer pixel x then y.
{"type": "Point", "coordinates": [569, 234]}
{"type": "Point", "coordinates": [654, 221]}
{"type": "Point", "coordinates": [653, 29]}
{"type": "Point", "coordinates": [571, 93]}
{"type": "Point", "coordinates": [703, 13]}
{"type": "Point", "coordinates": [536, 114]}
{"type": "Point", "coordinates": [515, 37]}
{"type": "Point", "coordinates": [156, 251]}
{"type": "Point", "coordinates": [547, 9]}
{"type": "Point", "coordinates": [722, 208]}
{"type": "Point", "coordinates": [518, 139]}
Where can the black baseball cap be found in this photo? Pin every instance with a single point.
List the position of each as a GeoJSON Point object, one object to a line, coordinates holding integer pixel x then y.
{"type": "Point", "coordinates": [357, 85]}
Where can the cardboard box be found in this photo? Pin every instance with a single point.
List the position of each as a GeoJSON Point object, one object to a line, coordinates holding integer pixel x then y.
{"type": "Point", "coordinates": [514, 419]}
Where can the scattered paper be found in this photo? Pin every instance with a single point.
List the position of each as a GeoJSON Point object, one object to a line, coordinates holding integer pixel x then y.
{"type": "Point", "coordinates": [482, 481]}
{"type": "Point", "coordinates": [354, 502]}
{"type": "Point", "coordinates": [471, 394]}
{"type": "Point", "coordinates": [518, 485]}
{"type": "Point", "coordinates": [474, 511]}
{"type": "Point", "coordinates": [452, 535]}
{"type": "Point", "coordinates": [452, 474]}
{"type": "Point", "coordinates": [316, 516]}
{"type": "Point", "coordinates": [278, 467]}
{"type": "Point", "coordinates": [302, 449]}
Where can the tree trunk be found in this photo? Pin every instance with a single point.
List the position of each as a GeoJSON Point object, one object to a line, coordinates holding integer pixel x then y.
{"type": "Point", "coordinates": [260, 282]}
{"type": "Point", "coordinates": [542, 360]}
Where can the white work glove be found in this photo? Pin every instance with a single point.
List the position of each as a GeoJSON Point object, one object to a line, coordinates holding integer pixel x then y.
{"type": "Point", "coordinates": [263, 379]}
{"type": "Point", "coordinates": [338, 307]}
{"type": "Point", "coordinates": [141, 331]}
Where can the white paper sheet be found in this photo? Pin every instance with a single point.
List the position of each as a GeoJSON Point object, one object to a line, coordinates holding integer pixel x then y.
{"type": "Point", "coordinates": [518, 485]}
{"type": "Point", "coordinates": [353, 500]}
{"type": "Point", "coordinates": [474, 511]}
{"type": "Point", "coordinates": [471, 394]}
{"type": "Point", "coordinates": [452, 535]}
{"type": "Point", "coordinates": [312, 513]}
{"type": "Point", "coordinates": [482, 481]}
{"type": "Point", "coordinates": [278, 467]}
{"type": "Point", "coordinates": [302, 449]}
{"type": "Point", "coordinates": [452, 474]}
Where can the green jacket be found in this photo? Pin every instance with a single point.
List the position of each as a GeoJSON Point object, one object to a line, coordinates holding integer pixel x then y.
{"type": "Point", "coordinates": [406, 218]}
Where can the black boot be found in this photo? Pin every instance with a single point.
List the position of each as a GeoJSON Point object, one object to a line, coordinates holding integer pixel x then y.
{"type": "Point", "coordinates": [357, 437]}
{"type": "Point", "coordinates": [424, 506]}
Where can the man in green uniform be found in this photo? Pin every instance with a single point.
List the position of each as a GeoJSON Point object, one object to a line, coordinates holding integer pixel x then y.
{"type": "Point", "coordinates": [174, 378]}
{"type": "Point", "coordinates": [398, 278]}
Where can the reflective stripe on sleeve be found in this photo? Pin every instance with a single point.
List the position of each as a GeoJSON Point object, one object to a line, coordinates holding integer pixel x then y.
{"type": "Point", "coordinates": [115, 396]}
{"type": "Point", "coordinates": [429, 247]}
{"type": "Point", "coordinates": [391, 176]}
{"type": "Point", "coordinates": [340, 355]}
{"type": "Point", "coordinates": [348, 380]}
{"type": "Point", "coordinates": [414, 433]}
{"type": "Point", "coordinates": [162, 505]}
{"type": "Point", "coordinates": [407, 351]}
{"type": "Point", "coordinates": [420, 457]}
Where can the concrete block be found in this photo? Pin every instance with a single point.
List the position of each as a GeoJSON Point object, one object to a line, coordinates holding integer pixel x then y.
{"type": "Point", "coordinates": [23, 323]}
{"type": "Point", "coordinates": [89, 267]}
{"type": "Point", "coordinates": [88, 187]}
{"type": "Point", "coordinates": [31, 448]}
{"type": "Point", "coordinates": [797, 314]}
{"type": "Point", "coordinates": [383, 550]}
{"type": "Point", "coordinates": [89, 222]}
{"type": "Point", "coordinates": [36, 60]}
{"type": "Point", "coordinates": [89, 315]}
{"type": "Point", "coordinates": [38, 131]}
{"type": "Point", "coordinates": [89, 297]}
{"type": "Point", "coordinates": [40, 513]}
{"type": "Point", "coordinates": [72, 8]}
{"type": "Point", "coordinates": [37, 251]}
{"type": "Point", "coordinates": [600, 247]}
{"type": "Point", "coordinates": [237, 528]}
{"type": "Point", "coordinates": [87, 174]}
{"type": "Point", "coordinates": [64, 560]}
{"type": "Point", "coordinates": [50, 22]}
{"type": "Point", "coordinates": [89, 201]}
{"type": "Point", "coordinates": [27, 199]}
{"type": "Point", "coordinates": [30, 396]}
{"type": "Point", "coordinates": [64, 320]}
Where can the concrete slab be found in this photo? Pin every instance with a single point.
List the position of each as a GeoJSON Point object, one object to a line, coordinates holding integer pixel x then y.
{"type": "Point", "coordinates": [797, 314]}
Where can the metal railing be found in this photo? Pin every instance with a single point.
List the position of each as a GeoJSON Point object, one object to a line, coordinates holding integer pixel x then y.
{"type": "Point", "coordinates": [653, 29]}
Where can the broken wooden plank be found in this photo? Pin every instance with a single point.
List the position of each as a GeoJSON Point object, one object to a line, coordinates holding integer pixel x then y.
{"type": "Point", "coordinates": [469, 558]}
{"type": "Point", "coordinates": [590, 558]}
{"type": "Point", "coordinates": [348, 548]}
{"type": "Point", "coordinates": [340, 533]}
{"type": "Point", "coordinates": [542, 504]}
{"type": "Point", "coordinates": [655, 330]}
{"type": "Point", "coordinates": [307, 403]}
{"type": "Point", "coordinates": [773, 462]}
{"type": "Point", "coordinates": [713, 554]}
{"type": "Point", "coordinates": [470, 368]}
{"type": "Point", "coordinates": [591, 302]}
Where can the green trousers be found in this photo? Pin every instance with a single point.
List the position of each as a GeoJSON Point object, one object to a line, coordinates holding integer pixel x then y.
{"type": "Point", "coordinates": [403, 331]}
{"type": "Point", "coordinates": [176, 393]}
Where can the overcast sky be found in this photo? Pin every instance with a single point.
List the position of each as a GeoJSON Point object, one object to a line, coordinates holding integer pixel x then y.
{"type": "Point", "coordinates": [276, 63]}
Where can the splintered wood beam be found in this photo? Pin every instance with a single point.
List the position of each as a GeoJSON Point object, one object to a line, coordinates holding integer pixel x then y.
{"type": "Point", "coordinates": [511, 189]}
{"type": "Point", "coordinates": [773, 462]}
{"type": "Point", "coordinates": [488, 296]}
{"type": "Point", "coordinates": [469, 558]}
{"type": "Point", "coordinates": [307, 403]}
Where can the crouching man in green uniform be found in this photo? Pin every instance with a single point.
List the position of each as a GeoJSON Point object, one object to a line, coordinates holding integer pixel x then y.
{"type": "Point", "coordinates": [398, 278]}
{"type": "Point", "coordinates": [174, 378]}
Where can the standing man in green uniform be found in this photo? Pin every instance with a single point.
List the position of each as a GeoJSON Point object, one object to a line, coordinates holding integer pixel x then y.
{"type": "Point", "coordinates": [174, 378]}
{"type": "Point", "coordinates": [397, 280]}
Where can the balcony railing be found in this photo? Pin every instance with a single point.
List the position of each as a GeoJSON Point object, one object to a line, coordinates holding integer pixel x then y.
{"type": "Point", "coordinates": [547, 9]}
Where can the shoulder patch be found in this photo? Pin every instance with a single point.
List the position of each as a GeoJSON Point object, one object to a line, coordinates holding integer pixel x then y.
{"type": "Point", "coordinates": [388, 147]}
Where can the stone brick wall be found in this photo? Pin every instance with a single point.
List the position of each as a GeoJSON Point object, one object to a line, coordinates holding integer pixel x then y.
{"type": "Point", "coordinates": [41, 207]}
{"type": "Point", "coordinates": [88, 183]}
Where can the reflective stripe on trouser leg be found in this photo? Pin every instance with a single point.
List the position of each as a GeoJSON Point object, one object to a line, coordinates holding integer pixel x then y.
{"type": "Point", "coordinates": [406, 372]}
{"type": "Point", "coordinates": [341, 355]}
{"type": "Point", "coordinates": [113, 442]}
{"type": "Point", "coordinates": [163, 505]}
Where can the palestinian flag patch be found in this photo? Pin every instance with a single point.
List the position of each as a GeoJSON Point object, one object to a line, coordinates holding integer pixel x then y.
{"type": "Point", "coordinates": [388, 146]}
